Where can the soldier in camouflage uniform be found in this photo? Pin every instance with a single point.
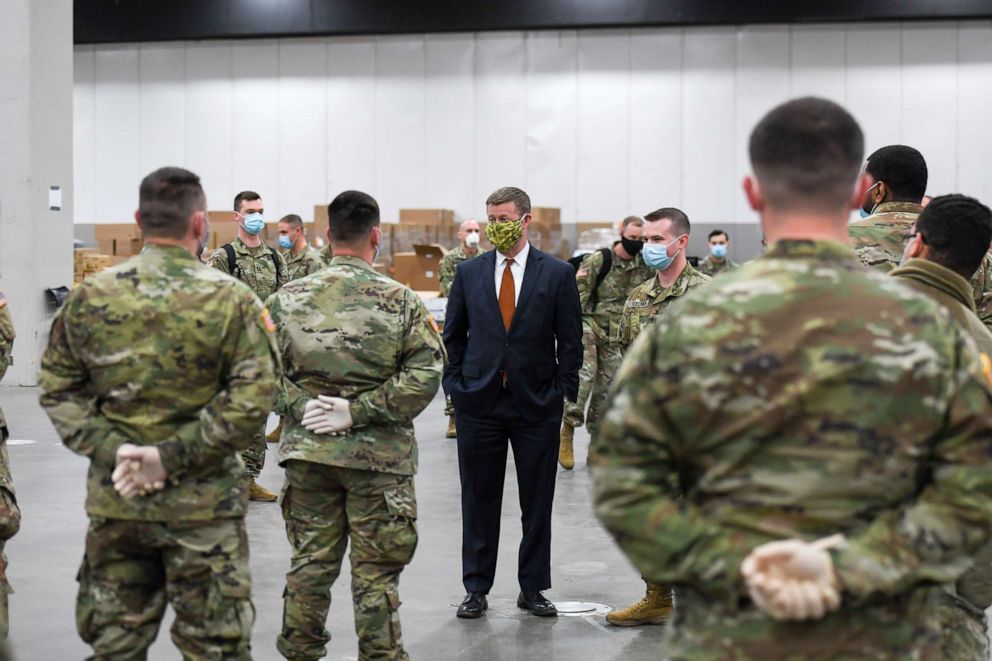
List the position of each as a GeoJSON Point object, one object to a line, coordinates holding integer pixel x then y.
{"type": "Point", "coordinates": [368, 344]}
{"type": "Point", "coordinates": [301, 258]}
{"type": "Point", "coordinates": [717, 261]}
{"type": "Point", "coordinates": [264, 270]}
{"type": "Point", "coordinates": [944, 250]}
{"type": "Point", "coordinates": [468, 235]}
{"type": "Point", "coordinates": [666, 235]}
{"type": "Point", "coordinates": [10, 514]}
{"type": "Point", "coordinates": [797, 397]}
{"type": "Point", "coordinates": [605, 278]}
{"type": "Point", "coordinates": [158, 370]}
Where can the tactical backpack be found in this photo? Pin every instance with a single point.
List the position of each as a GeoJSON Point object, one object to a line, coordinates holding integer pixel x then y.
{"type": "Point", "coordinates": [232, 262]}
{"type": "Point", "coordinates": [604, 270]}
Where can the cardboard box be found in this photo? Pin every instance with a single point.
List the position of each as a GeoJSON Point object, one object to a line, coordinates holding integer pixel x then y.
{"type": "Point", "coordinates": [113, 231]}
{"type": "Point", "coordinates": [105, 246]}
{"type": "Point", "coordinates": [547, 216]}
{"type": "Point", "coordinates": [427, 216]}
{"type": "Point", "coordinates": [403, 238]}
{"type": "Point", "coordinates": [419, 270]}
{"type": "Point", "coordinates": [319, 222]}
{"type": "Point", "coordinates": [127, 247]}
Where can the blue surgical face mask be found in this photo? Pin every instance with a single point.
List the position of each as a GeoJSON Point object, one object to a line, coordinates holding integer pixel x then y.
{"type": "Point", "coordinates": [719, 250]}
{"type": "Point", "coordinates": [656, 256]}
{"type": "Point", "coordinates": [285, 242]}
{"type": "Point", "coordinates": [253, 223]}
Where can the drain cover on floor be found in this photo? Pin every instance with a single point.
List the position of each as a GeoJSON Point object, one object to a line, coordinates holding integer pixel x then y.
{"type": "Point", "coordinates": [577, 608]}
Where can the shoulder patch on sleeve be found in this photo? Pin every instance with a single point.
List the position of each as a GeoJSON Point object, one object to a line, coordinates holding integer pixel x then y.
{"type": "Point", "coordinates": [987, 368]}
{"type": "Point", "coordinates": [434, 327]}
{"type": "Point", "coordinates": [267, 321]}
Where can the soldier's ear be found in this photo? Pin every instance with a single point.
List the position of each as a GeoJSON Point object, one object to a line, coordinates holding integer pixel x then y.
{"type": "Point", "coordinates": [752, 190]}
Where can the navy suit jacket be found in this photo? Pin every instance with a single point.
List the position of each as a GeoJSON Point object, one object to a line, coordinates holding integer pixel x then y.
{"type": "Point", "coordinates": [542, 351]}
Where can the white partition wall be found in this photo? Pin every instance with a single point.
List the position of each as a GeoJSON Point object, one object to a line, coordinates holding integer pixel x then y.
{"type": "Point", "coordinates": [599, 123]}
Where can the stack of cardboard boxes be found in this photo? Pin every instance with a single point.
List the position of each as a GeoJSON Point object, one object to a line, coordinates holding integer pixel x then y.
{"type": "Point", "coordinates": [118, 240]}
{"type": "Point", "coordinates": [86, 262]}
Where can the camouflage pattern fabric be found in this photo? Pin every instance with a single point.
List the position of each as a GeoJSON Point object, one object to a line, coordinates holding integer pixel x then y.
{"type": "Point", "coordinates": [255, 268]}
{"type": "Point", "coordinates": [709, 266]}
{"type": "Point", "coordinates": [879, 239]}
{"type": "Point", "coordinates": [451, 260]}
{"type": "Point", "coordinates": [797, 397]}
{"type": "Point", "coordinates": [327, 254]}
{"type": "Point", "coordinates": [132, 569]}
{"type": "Point", "coordinates": [10, 513]}
{"type": "Point", "coordinates": [350, 332]}
{"type": "Point", "coordinates": [981, 284]}
{"type": "Point", "coordinates": [162, 350]}
{"type": "Point", "coordinates": [306, 262]}
{"type": "Point", "coordinates": [650, 299]}
{"type": "Point", "coordinates": [600, 354]}
{"type": "Point", "coordinates": [325, 507]}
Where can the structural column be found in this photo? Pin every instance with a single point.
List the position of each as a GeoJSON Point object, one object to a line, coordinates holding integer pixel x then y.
{"type": "Point", "coordinates": [35, 154]}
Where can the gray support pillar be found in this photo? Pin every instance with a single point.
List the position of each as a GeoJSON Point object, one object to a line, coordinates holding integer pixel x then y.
{"type": "Point", "coordinates": [35, 154]}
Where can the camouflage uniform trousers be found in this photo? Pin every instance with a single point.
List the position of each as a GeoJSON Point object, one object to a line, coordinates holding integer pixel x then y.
{"type": "Point", "coordinates": [601, 359]}
{"type": "Point", "coordinates": [323, 506]}
{"type": "Point", "coordinates": [254, 456]}
{"type": "Point", "coordinates": [132, 567]}
{"type": "Point", "coordinates": [10, 523]}
{"type": "Point", "coordinates": [964, 630]}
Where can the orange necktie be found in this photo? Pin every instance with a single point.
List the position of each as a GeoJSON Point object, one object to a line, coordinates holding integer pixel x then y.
{"type": "Point", "coordinates": [507, 294]}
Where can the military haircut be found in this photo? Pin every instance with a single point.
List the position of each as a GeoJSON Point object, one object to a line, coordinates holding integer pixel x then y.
{"type": "Point", "coordinates": [903, 170]}
{"type": "Point", "coordinates": [292, 220]}
{"type": "Point", "coordinates": [806, 155]}
{"type": "Point", "coordinates": [245, 196]}
{"type": "Point", "coordinates": [520, 199]}
{"type": "Point", "coordinates": [680, 221]}
{"type": "Point", "coordinates": [351, 216]}
{"type": "Point", "coordinates": [631, 220]}
{"type": "Point", "coordinates": [718, 232]}
{"type": "Point", "coordinates": [958, 230]}
{"type": "Point", "coordinates": [167, 198]}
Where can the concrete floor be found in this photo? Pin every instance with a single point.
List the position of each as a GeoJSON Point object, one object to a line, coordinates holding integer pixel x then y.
{"type": "Point", "coordinates": [586, 565]}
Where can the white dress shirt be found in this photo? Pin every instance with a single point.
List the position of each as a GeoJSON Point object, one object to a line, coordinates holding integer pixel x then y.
{"type": "Point", "coordinates": [517, 271]}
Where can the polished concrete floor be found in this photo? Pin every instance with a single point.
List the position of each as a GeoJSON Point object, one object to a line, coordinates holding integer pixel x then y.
{"type": "Point", "coordinates": [586, 565]}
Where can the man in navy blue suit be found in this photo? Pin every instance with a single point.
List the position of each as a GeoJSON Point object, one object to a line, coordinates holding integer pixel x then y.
{"type": "Point", "coordinates": [513, 332]}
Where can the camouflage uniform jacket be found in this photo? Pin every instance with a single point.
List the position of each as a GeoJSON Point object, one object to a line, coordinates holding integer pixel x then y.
{"type": "Point", "coordinates": [880, 238]}
{"type": "Point", "coordinates": [254, 267]}
{"type": "Point", "coordinates": [981, 284]}
{"type": "Point", "coordinates": [446, 271]}
{"type": "Point", "coordinates": [797, 397]}
{"type": "Point", "coordinates": [710, 267]}
{"type": "Point", "coordinates": [6, 347]}
{"type": "Point", "coordinates": [950, 290]}
{"type": "Point", "coordinates": [350, 332]}
{"type": "Point", "coordinates": [161, 350]}
{"type": "Point", "coordinates": [306, 262]}
{"type": "Point", "coordinates": [647, 301]}
{"type": "Point", "coordinates": [326, 254]}
{"type": "Point", "coordinates": [624, 276]}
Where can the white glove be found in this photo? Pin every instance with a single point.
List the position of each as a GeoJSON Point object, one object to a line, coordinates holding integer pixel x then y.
{"type": "Point", "coordinates": [793, 579]}
{"type": "Point", "coordinates": [327, 415]}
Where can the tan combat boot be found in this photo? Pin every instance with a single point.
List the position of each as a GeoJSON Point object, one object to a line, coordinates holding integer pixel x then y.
{"type": "Point", "coordinates": [257, 492]}
{"type": "Point", "coordinates": [566, 453]}
{"type": "Point", "coordinates": [273, 437]}
{"type": "Point", "coordinates": [654, 608]}
{"type": "Point", "coordinates": [452, 432]}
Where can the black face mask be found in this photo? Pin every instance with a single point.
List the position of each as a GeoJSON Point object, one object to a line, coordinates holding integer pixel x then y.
{"type": "Point", "coordinates": [631, 246]}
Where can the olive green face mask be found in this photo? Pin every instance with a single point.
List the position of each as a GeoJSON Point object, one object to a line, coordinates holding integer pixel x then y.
{"type": "Point", "coordinates": [504, 235]}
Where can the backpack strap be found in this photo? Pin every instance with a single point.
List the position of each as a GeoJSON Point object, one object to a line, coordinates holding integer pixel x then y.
{"type": "Point", "coordinates": [275, 260]}
{"type": "Point", "coordinates": [604, 270]}
{"type": "Point", "coordinates": [232, 262]}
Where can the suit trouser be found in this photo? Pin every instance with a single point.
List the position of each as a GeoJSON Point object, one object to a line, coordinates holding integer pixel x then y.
{"type": "Point", "coordinates": [482, 449]}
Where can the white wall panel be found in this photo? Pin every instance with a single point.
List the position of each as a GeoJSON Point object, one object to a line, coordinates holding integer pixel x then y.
{"type": "Point", "coordinates": [818, 61]}
{"type": "Point", "coordinates": [709, 97]}
{"type": "Point", "coordinates": [209, 111]}
{"type": "Point", "coordinates": [500, 113]}
{"type": "Point", "coordinates": [162, 139]}
{"type": "Point", "coordinates": [449, 124]}
{"type": "Point", "coordinates": [929, 108]}
{"type": "Point", "coordinates": [351, 125]}
{"type": "Point", "coordinates": [602, 171]}
{"type": "Point", "coordinates": [873, 85]}
{"type": "Point", "coordinates": [974, 130]}
{"type": "Point", "coordinates": [655, 154]}
{"type": "Point", "coordinates": [84, 135]}
{"type": "Point", "coordinates": [399, 107]}
{"type": "Point", "coordinates": [763, 55]}
{"type": "Point", "coordinates": [302, 127]}
{"type": "Point", "coordinates": [117, 133]}
{"type": "Point", "coordinates": [551, 96]}
{"type": "Point", "coordinates": [255, 137]}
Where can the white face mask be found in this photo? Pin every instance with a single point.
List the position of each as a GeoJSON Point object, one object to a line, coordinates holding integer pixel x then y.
{"type": "Point", "coordinates": [472, 239]}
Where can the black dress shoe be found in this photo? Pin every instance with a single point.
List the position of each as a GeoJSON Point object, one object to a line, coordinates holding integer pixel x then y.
{"type": "Point", "coordinates": [473, 606]}
{"type": "Point", "coordinates": [536, 604]}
